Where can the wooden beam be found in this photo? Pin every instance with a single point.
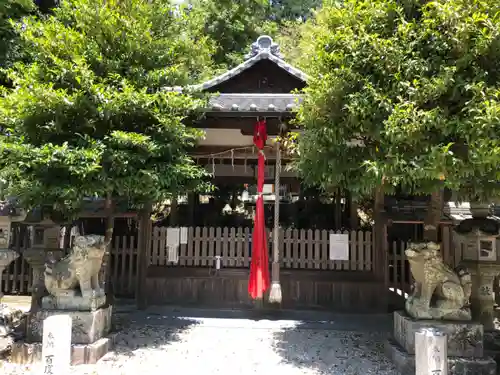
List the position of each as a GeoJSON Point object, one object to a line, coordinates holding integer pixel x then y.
{"type": "Point", "coordinates": [250, 180]}
{"type": "Point", "coordinates": [246, 124]}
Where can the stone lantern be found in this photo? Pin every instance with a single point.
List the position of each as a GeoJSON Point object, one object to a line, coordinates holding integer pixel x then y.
{"type": "Point", "coordinates": [478, 238]}
{"type": "Point", "coordinates": [8, 317]}
{"type": "Point", "coordinates": [8, 215]}
{"type": "Point", "coordinates": [45, 246]}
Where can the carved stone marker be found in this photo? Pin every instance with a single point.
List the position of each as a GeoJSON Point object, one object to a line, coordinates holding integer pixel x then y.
{"type": "Point", "coordinates": [431, 353]}
{"type": "Point", "coordinates": [56, 345]}
{"type": "Point", "coordinates": [464, 343]}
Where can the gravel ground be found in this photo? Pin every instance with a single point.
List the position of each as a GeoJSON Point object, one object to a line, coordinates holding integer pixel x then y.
{"type": "Point", "coordinates": [153, 344]}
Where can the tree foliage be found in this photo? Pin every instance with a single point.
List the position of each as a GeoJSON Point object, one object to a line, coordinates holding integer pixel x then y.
{"type": "Point", "coordinates": [294, 10]}
{"type": "Point", "coordinates": [11, 10]}
{"type": "Point", "coordinates": [415, 85]}
{"type": "Point", "coordinates": [293, 38]}
{"type": "Point", "coordinates": [233, 26]}
{"type": "Point", "coordinates": [88, 116]}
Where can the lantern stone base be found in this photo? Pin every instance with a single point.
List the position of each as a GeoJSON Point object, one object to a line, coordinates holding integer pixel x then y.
{"type": "Point", "coordinates": [90, 338]}
{"type": "Point", "coordinates": [465, 345]}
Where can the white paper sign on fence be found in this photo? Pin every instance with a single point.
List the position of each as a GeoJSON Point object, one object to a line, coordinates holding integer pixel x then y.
{"type": "Point", "coordinates": [173, 235]}
{"type": "Point", "coordinates": [339, 246]}
{"type": "Point", "coordinates": [173, 254]}
{"type": "Point", "coordinates": [184, 235]}
{"type": "Point", "coordinates": [56, 345]}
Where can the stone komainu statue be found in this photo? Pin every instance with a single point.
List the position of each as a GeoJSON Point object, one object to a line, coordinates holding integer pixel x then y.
{"type": "Point", "coordinates": [78, 270]}
{"type": "Point", "coordinates": [439, 292]}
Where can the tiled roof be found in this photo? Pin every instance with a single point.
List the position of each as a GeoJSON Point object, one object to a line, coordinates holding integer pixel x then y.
{"type": "Point", "coordinates": [254, 102]}
{"type": "Point", "coordinates": [263, 49]}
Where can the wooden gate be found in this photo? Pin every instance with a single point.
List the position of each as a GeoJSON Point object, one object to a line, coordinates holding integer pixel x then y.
{"type": "Point", "coordinates": [309, 278]}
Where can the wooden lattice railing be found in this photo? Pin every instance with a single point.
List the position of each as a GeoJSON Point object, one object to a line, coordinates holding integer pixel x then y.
{"type": "Point", "coordinates": [299, 249]}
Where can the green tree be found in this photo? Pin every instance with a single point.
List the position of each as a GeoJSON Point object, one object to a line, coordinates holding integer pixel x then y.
{"type": "Point", "coordinates": [11, 10]}
{"type": "Point", "coordinates": [403, 92]}
{"type": "Point", "coordinates": [232, 25]}
{"type": "Point", "coordinates": [88, 116]}
{"type": "Point", "coordinates": [292, 39]}
{"type": "Point", "coordinates": [294, 10]}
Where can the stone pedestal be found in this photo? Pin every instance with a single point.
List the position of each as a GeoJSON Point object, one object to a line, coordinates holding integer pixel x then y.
{"type": "Point", "coordinates": [72, 300]}
{"type": "Point", "coordinates": [9, 318]}
{"type": "Point", "coordinates": [465, 345]}
{"type": "Point", "coordinates": [90, 338]}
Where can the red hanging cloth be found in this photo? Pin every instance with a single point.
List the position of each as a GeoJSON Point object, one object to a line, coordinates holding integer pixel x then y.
{"type": "Point", "coordinates": [258, 281]}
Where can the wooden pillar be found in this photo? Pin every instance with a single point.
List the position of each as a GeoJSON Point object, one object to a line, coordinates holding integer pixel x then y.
{"type": "Point", "coordinates": [143, 250]}
{"type": "Point", "coordinates": [173, 212]}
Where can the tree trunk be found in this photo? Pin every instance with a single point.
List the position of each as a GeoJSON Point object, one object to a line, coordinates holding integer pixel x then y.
{"type": "Point", "coordinates": [173, 212]}
{"type": "Point", "coordinates": [338, 209]}
{"type": "Point", "coordinates": [145, 228]}
{"type": "Point", "coordinates": [353, 213]}
{"type": "Point", "coordinates": [105, 268]}
{"type": "Point", "coordinates": [433, 217]}
{"type": "Point", "coordinates": [380, 261]}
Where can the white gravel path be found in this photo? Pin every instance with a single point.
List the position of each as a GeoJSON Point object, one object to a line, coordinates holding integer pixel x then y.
{"type": "Point", "coordinates": [188, 346]}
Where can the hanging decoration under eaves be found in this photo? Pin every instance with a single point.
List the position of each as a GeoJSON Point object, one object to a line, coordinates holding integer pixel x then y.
{"type": "Point", "coordinates": [258, 281]}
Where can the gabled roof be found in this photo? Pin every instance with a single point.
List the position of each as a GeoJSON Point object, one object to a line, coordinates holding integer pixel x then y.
{"type": "Point", "coordinates": [263, 49]}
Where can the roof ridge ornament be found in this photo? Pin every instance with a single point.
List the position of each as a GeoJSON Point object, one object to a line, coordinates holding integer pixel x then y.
{"type": "Point", "coordinates": [264, 44]}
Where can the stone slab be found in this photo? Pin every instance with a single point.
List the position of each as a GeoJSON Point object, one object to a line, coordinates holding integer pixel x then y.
{"type": "Point", "coordinates": [28, 353]}
{"type": "Point", "coordinates": [72, 302]}
{"type": "Point", "coordinates": [87, 328]}
{"type": "Point", "coordinates": [465, 339]}
{"type": "Point", "coordinates": [405, 362]}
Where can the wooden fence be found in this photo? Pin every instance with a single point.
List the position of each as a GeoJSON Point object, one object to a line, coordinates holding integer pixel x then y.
{"type": "Point", "coordinates": [300, 249]}
{"type": "Point", "coordinates": [17, 278]}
